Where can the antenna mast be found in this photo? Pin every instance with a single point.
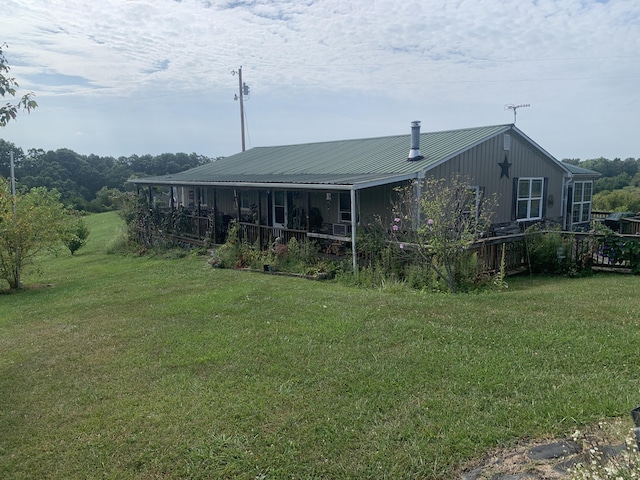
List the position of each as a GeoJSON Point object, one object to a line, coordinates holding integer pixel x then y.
{"type": "Point", "coordinates": [513, 107]}
{"type": "Point", "coordinates": [243, 89]}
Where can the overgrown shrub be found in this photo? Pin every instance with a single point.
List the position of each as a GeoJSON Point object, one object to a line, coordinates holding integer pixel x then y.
{"type": "Point", "coordinates": [439, 219]}
{"type": "Point", "coordinates": [547, 252]}
{"type": "Point", "coordinates": [235, 253]}
{"type": "Point", "coordinates": [77, 235]}
{"type": "Point", "coordinates": [621, 250]}
{"type": "Point", "coordinates": [299, 257]}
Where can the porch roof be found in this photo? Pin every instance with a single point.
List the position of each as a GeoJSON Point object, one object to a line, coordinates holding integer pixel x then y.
{"type": "Point", "coordinates": [581, 171]}
{"type": "Point", "coordinates": [340, 164]}
{"type": "Point", "coordinates": [301, 181]}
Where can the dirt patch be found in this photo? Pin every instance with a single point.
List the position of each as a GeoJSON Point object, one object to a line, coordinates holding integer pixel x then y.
{"type": "Point", "coordinates": [548, 459]}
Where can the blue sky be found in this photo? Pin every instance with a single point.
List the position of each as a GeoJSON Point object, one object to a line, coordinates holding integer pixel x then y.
{"type": "Point", "coordinates": [122, 77]}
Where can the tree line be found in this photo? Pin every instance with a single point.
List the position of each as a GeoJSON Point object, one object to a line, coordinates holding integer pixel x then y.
{"type": "Point", "coordinates": [87, 182]}
{"type": "Point", "coordinates": [618, 188]}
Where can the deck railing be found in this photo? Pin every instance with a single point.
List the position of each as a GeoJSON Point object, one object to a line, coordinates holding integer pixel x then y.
{"type": "Point", "coordinates": [598, 250]}
{"type": "Point", "coordinates": [490, 250]}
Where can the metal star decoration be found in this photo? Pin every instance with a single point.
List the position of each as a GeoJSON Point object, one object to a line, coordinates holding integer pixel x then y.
{"type": "Point", "coordinates": [504, 167]}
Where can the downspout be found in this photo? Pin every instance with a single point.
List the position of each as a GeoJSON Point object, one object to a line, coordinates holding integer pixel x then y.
{"type": "Point", "coordinates": [566, 180]}
{"type": "Point", "coordinates": [353, 231]}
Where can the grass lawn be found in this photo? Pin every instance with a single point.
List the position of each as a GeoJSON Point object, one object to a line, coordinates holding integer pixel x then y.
{"type": "Point", "coordinates": [139, 367]}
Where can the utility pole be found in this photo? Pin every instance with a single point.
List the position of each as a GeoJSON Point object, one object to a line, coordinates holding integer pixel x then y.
{"type": "Point", "coordinates": [243, 89]}
{"type": "Point", "coordinates": [15, 212]}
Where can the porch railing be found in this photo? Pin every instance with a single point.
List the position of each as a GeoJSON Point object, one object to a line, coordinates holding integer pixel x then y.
{"type": "Point", "coordinates": [598, 250]}
{"type": "Point", "coordinates": [267, 235]}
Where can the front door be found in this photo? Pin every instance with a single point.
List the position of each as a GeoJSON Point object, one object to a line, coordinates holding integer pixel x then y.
{"type": "Point", "coordinates": [279, 209]}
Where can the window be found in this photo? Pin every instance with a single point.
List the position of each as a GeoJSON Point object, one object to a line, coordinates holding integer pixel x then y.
{"type": "Point", "coordinates": [245, 200]}
{"type": "Point", "coordinates": [202, 195]}
{"type": "Point", "coordinates": [472, 208]}
{"type": "Point", "coordinates": [345, 207]}
{"type": "Point", "coordinates": [529, 198]}
{"type": "Point", "coordinates": [279, 209]}
{"type": "Point", "coordinates": [581, 210]}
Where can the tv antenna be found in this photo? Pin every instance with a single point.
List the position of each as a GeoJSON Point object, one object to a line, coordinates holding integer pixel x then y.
{"type": "Point", "coordinates": [511, 106]}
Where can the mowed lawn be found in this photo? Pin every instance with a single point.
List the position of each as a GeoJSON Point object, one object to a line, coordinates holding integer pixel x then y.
{"type": "Point", "coordinates": [140, 367]}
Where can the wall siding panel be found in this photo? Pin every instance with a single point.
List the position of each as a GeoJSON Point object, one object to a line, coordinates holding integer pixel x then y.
{"type": "Point", "coordinates": [481, 165]}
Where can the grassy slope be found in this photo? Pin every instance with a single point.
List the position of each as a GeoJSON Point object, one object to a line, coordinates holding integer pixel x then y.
{"type": "Point", "coordinates": [150, 368]}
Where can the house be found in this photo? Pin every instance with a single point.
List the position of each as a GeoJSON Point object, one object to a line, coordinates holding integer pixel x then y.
{"type": "Point", "coordinates": [323, 190]}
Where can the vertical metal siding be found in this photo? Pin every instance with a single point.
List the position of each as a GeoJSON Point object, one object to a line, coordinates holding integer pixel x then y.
{"type": "Point", "coordinates": [481, 165]}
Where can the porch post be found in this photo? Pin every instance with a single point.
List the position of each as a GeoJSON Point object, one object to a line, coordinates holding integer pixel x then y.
{"type": "Point", "coordinates": [266, 242]}
{"type": "Point", "coordinates": [215, 216]}
{"type": "Point", "coordinates": [199, 208]}
{"type": "Point", "coordinates": [308, 211]}
{"type": "Point", "coordinates": [354, 256]}
{"type": "Point", "coordinates": [238, 200]}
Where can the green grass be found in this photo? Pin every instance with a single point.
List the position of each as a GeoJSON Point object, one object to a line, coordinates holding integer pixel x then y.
{"type": "Point", "coordinates": [142, 367]}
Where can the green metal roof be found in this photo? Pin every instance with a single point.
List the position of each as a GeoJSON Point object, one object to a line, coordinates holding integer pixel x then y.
{"type": "Point", "coordinates": [576, 170]}
{"type": "Point", "coordinates": [360, 162]}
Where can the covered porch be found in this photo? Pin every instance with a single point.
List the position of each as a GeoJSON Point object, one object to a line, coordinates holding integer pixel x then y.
{"type": "Point", "coordinates": [201, 214]}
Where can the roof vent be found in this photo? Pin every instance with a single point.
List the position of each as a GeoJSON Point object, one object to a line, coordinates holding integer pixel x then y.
{"type": "Point", "coordinates": [414, 153]}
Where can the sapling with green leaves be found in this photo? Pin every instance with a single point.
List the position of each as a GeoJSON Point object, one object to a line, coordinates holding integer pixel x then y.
{"type": "Point", "coordinates": [29, 223]}
{"type": "Point", "coordinates": [437, 220]}
{"type": "Point", "coordinates": [77, 234]}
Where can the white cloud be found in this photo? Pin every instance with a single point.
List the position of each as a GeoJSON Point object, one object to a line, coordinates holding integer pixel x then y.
{"type": "Point", "coordinates": [570, 60]}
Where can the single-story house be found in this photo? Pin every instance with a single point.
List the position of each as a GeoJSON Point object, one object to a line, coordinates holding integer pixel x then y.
{"type": "Point", "coordinates": [323, 190]}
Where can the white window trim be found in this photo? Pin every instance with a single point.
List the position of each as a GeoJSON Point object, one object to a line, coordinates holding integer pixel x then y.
{"type": "Point", "coordinates": [284, 207]}
{"type": "Point", "coordinates": [477, 194]}
{"type": "Point", "coordinates": [530, 198]}
{"type": "Point", "coordinates": [202, 194]}
{"type": "Point", "coordinates": [582, 202]}
{"type": "Point", "coordinates": [344, 216]}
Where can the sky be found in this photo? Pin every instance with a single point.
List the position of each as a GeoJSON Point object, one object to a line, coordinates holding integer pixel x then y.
{"type": "Point", "coordinates": [123, 77]}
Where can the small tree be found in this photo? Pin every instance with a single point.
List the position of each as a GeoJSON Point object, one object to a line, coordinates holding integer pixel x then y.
{"type": "Point", "coordinates": [437, 220]}
{"type": "Point", "coordinates": [29, 223]}
{"type": "Point", "coordinates": [8, 86]}
{"type": "Point", "coordinates": [77, 234]}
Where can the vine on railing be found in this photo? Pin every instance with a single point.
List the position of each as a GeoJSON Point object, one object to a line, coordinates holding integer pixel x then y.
{"type": "Point", "coordinates": [621, 251]}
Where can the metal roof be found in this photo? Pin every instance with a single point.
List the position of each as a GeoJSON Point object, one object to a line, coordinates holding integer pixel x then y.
{"type": "Point", "coordinates": [576, 170]}
{"type": "Point", "coordinates": [359, 163]}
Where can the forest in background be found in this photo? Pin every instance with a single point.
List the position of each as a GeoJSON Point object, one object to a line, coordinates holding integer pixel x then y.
{"type": "Point", "coordinates": [618, 188]}
{"type": "Point", "coordinates": [87, 182]}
